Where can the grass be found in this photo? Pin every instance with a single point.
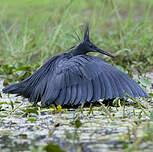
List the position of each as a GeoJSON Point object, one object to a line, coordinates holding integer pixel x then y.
{"type": "Point", "coordinates": [31, 31]}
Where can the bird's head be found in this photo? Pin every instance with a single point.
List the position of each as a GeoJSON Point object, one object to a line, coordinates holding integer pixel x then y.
{"type": "Point", "coordinates": [87, 46]}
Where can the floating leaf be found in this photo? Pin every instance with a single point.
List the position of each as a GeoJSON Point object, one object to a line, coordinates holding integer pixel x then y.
{"type": "Point", "coordinates": [32, 119]}
{"type": "Point", "coordinates": [52, 148]}
{"type": "Point", "coordinates": [114, 123]}
{"type": "Point", "coordinates": [31, 110]}
{"type": "Point", "coordinates": [77, 123]}
{"type": "Point", "coordinates": [3, 115]}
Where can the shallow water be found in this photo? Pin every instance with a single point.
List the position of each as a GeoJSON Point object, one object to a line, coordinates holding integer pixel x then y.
{"type": "Point", "coordinates": [27, 131]}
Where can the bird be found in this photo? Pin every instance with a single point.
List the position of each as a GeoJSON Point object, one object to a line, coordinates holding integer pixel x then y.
{"type": "Point", "coordinates": [75, 78]}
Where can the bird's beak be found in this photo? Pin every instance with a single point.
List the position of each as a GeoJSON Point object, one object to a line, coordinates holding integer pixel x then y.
{"type": "Point", "coordinates": [96, 49]}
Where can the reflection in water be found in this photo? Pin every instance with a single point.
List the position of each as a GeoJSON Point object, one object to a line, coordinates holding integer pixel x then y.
{"type": "Point", "coordinates": [12, 145]}
{"type": "Point", "coordinates": [8, 144]}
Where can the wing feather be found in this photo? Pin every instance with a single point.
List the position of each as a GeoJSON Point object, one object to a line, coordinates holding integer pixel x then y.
{"type": "Point", "coordinates": [114, 88]}
{"type": "Point", "coordinates": [68, 95]}
{"type": "Point", "coordinates": [84, 91]}
{"type": "Point", "coordinates": [90, 90]}
{"type": "Point", "coordinates": [103, 85]}
{"type": "Point", "coordinates": [118, 85]}
{"type": "Point", "coordinates": [90, 79]}
{"type": "Point", "coordinates": [128, 87]}
{"type": "Point", "coordinates": [61, 98]}
{"type": "Point", "coordinates": [108, 87]}
{"type": "Point", "coordinates": [79, 94]}
{"type": "Point", "coordinates": [73, 94]}
{"type": "Point", "coordinates": [96, 88]}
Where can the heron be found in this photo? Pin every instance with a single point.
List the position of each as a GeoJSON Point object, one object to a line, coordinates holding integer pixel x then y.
{"type": "Point", "coordinates": [74, 78]}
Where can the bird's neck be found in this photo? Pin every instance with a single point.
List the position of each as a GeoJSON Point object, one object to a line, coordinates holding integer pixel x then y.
{"type": "Point", "coordinates": [76, 52]}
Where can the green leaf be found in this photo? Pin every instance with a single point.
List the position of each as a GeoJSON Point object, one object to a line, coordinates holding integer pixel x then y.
{"type": "Point", "coordinates": [151, 94]}
{"type": "Point", "coordinates": [133, 111]}
{"type": "Point", "coordinates": [31, 110]}
{"type": "Point", "coordinates": [3, 116]}
{"type": "Point", "coordinates": [77, 123]}
{"type": "Point", "coordinates": [17, 101]}
{"type": "Point", "coordinates": [140, 115]}
{"type": "Point", "coordinates": [32, 119]}
{"type": "Point", "coordinates": [1, 108]}
{"type": "Point", "coordinates": [4, 102]}
{"type": "Point", "coordinates": [114, 123]}
{"type": "Point", "coordinates": [52, 148]}
{"type": "Point", "coordinates": [23, 68]}
{"type": "Point", "coordinates": [12, 104]}
{"type": "Point", "coordinates": [121, 68]}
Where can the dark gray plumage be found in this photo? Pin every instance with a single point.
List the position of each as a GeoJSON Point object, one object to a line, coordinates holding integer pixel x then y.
{"type": "Point", "coordinates": [73, 78]}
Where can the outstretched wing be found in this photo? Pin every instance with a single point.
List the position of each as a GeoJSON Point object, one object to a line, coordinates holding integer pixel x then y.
{"type": "Point", "coordinates": [73, 80]}
{"type": "Point", "coordinates": [87, 78]}
{"type": "Point", "coordinates": [34, 86]}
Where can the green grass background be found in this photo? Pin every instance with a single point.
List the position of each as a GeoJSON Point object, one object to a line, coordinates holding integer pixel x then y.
{"type": "Point", "coordinates": [31, 31]}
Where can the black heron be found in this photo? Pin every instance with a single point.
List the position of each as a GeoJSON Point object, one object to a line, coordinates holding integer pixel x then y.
{"type": "Point", "coordinates": [74, 78]}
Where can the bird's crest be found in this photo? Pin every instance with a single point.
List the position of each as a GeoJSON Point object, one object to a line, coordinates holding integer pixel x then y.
{"type": "Point", "coordinates": [86, 33]}
{"type": "Point", "coordinates": [87, 46]}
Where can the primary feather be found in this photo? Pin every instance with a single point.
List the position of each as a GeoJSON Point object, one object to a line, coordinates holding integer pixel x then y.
{"type": "Point", "coordinates": [73, 78]}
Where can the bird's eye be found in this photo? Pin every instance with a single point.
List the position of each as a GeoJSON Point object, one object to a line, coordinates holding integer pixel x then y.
{"type": "Point", "coordinates": [90, 44]}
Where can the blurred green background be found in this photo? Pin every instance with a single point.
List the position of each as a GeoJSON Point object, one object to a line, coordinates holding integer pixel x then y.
{"type": "Point", "coordinates": [31, 31]}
